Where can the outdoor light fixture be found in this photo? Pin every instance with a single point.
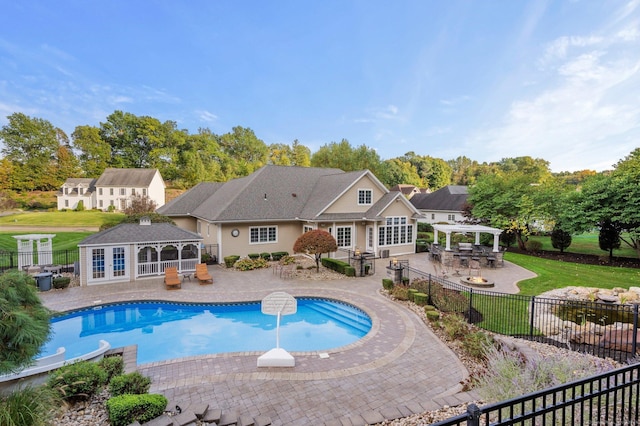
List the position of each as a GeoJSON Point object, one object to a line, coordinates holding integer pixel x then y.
{"type": "Point", "coordinates": [394, 261]}
{"type": "Point", "coordinates": [357, 253]}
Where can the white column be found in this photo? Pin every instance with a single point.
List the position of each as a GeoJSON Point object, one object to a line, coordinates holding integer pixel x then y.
{"type": "Point", "coordinates": [448, 244]}
{"type": "Point", "coordinates": [496, 241]}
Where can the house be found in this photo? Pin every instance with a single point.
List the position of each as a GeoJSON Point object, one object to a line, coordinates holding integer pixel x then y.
{"type": "Point", "coordinates": [112, 190]}
{"type": "Point", "coordinates": [442, 206]}
{"type": "Point", "coordinates": [269, 209]}
{"type": "Point", "coordinates": [130, 251]}
{"type": "Point", "coordinates": [408, 190]}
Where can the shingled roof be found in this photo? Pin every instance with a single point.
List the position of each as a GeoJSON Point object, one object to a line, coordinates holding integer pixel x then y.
{"type": "Point", "coordinates": [272, 193]}
{"type": "Point", "coordinates": [450, 198]}
{"type": "Point", "coordinates": [131, 178]}
{"type": "Point", "coordinates": [129, 233]}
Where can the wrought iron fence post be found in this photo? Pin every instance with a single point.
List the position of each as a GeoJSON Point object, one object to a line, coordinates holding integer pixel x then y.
{"type": "Point", "coordinates": [634, 338]}
{"type": "Point", "coordinates": [470, 305]}
{"type": "Point", "coordinates": [531, 320]}
{"type": "Point", "coordinates": [473, 415]}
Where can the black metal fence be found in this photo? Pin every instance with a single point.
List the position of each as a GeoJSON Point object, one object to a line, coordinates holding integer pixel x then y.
{"type": "Point", "coordinates": [609, 398]}
{"type": "Point", "coordinates": [66, 259]}
{"type": "Point", "coordinates": [590, 326]}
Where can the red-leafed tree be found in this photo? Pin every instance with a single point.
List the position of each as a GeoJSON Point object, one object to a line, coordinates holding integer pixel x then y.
{"type": "Point", "coordinates": [315, 242]}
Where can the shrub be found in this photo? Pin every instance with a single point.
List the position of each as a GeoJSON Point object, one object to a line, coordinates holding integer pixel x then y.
{"type": "Point", "coordinates": [80, 207]}
{"type": "Point", "coordinates": [126, 409]}
{"type": "Point", "coordinates": [229, 261]}
{"type": "Point", "coordinates": [350, 271]}
{"type": "Point", "coordinates": [206, 258]}
{"type": "Point", "coordinates": [432, 315]}
{"type": "Point", "coordinates": [400, 292]}
{"type": "Point", "coordinates": [250, 264]}
{"type": "Point", "coordinates": [253, 256]}
{"type": "Point", "coordinates": [61, 282]}
{"type": "Point", "coordinates": [428, 308]}
{"type": "Point", "coordinates": [277, 255]}
{"type": "Point", "coordinates": [422, 246]}
{"type": "Point", "coordinates": [387, 284]}
{"type": "Point", "coordinates": [425, 236]}
{"type": "Point", "coordinates": [424, 227]}
{"type": "Point", "coordinates": [132, 383]}
{"type": "Point", "coordinates": [420, 299]}
{"type": "Point", "coordinates": [337, 265]}
{"type": "Point", "coordinates": [77, 381]}
{"type": "Point", "coordinates": [560, 239]}
{"type": "Point", "coordinates": [447, 300]}
{"type": "Point", "coordinates": [265, 256]}
{"type": "Point", "coordinates": [112, 365]}
{"type": "Point", "coordinates": [28, 406]}
{"type": "Point", "coordinates": [410, 292]}
{"type": "Point", "coordinates": [454, 326]}
{"type": "Point", "coordinates": [287, 260]}
{"type": "Point", "coordinates": [477, 343]}
{"type": "Point", "coordinates": [533, 246]}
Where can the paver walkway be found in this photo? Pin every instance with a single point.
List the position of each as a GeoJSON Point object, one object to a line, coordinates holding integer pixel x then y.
{"type": "Point", "coordinates": [400, 363]}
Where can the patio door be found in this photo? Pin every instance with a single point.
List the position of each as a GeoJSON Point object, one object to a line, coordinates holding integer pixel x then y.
{"type": "Point", "coordinates": [108, 264]}
{"type": "Point", "coordinates": [370, 240]}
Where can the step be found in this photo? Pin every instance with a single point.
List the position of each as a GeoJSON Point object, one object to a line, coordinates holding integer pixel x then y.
{"type": "Point", "coordinates": [358, 321]}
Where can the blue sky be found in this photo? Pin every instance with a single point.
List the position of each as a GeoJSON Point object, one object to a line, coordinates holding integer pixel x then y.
{"type": "Point", "coordinates": [489, 79]}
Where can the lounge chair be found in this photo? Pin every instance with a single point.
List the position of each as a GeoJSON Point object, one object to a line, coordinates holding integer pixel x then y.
{"type": "Point", "coordinates": [202, 274]}
{"type": "Point", "coordinates": [171, 279]}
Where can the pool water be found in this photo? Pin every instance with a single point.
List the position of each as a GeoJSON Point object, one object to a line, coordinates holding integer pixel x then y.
{"type": "Point", "coordinates": [167, 330]}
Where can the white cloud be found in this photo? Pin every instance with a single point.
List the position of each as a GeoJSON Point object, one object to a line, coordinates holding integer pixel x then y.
{"type": "Point", "coordinates": [207, 116]}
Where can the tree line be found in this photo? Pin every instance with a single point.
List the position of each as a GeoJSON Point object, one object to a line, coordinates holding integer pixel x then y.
{"type": "Point", "coordinates": [37, 155]}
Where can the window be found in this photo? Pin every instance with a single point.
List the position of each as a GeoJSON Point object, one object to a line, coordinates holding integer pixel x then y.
{"type": "Point", "coordinates": [66, 203]}
{"type": "Point", "coordinates": [97, 263]}
{"type": "Point", "coordinates": [66, 191]}
{"type": "Point", "coordinates": [144, 191]}
{"type": "Point", "coordinates": [118, 262]}
{"type": "Point", "coordinates": [81, 191]}
{"type": "Point", "coordinates": [100, 203]}
{"type": "Point", "coordinates": [365, 196]}
{"type": "Point", "coordinates": [395, 231]}
{"type": "Point", "coordinates": [111, 203]}
{"type": "Point", "coordinates": [263, 234]}
{"type": "Point", "coordinates": [133, 191]}
{"type": "Point", "coordinates": [99, 191]}
{"type": "Point", "coordinates": [123, 191]}
{"type": "Point", "coordinates": [433, 216]}
{"type": "Point", "coordinates": [343, 236]}
{"type": "Point", "coordinates": [110, 191]}
{"type": "Point", "coordinates": [307, 228]}
{"type": "Point", "coordinates": [452, 217]}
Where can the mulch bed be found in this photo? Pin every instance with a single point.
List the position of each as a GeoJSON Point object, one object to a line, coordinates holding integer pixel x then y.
{"type": "Point", "coordinates": [586, 259]}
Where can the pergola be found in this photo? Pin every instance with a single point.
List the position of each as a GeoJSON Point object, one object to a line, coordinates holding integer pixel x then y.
{"type": "Point", "coordinates": [463, 229]}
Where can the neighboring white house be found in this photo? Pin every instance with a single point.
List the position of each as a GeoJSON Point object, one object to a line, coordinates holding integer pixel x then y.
{"type": "Point", "coordinates": [442, 206]}
{"type": "Point", "coordinates": [112, 190]}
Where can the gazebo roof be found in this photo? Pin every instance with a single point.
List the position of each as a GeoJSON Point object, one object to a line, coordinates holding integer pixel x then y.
{"type": "Point", "coordinates": [467, 228]}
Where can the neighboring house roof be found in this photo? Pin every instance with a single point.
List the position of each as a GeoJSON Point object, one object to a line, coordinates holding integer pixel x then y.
{"type": "Point", "coordinates": [136, 178]}
{"type": "Point", "coordinates": [74, 183]}
{"type": "Point", "coordinates": [449, 198]}
{"type": "Point", "coordinates": [128, 233]}
{"type": "Point", "coordinates": [406, 189]}
{"type": "Point", "coordinates": [273, 193]}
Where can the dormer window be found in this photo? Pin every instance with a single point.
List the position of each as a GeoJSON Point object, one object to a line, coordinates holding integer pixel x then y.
{"type": "Point", "coordinates": [365, 196]}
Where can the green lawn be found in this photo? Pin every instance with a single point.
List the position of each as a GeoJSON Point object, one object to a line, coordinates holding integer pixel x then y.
{"type": "Point", "coordinates": [586, 243]}
{"type": "Point", "coordinates": [553, 274]}
{"type": "Point", "coordinates": [62, 218]}
{"type": "Point", "coordinates": [61, 241]}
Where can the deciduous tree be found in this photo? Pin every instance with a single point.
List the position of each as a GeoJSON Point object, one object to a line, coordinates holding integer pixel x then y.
{"type": "Point", "coordinates": [315, 242]}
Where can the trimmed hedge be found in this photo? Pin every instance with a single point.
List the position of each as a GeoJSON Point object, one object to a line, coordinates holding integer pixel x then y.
{"type": "Point", "coordinates": [61, 282]}
{"type": "Point", "coordinates": [126, 409]}
{"type": "Point", "coordinates": [277, 255]}
{"type": "Point", "coordinates": [432, 315]}
{"type": "Point", "coordinates": [387, 284]}
{"type": "Point", "coordinates": [350, 271]}
{"type": "Point", "coordinates": [229, 261]}
{"type": "Point", "coordinates": [253, 256]}
{"type": "Point", "coordinates": [411, 293]}
{"type": "Point", "coordinates": [265, 256]}
{"type": "Point", "coordinates": [420, 299]}
{"type": "Point", "coordinates": [338, 266]}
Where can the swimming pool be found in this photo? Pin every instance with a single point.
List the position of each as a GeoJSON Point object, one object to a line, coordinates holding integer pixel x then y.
{"type": "Point", "coordinates": [167, 330]}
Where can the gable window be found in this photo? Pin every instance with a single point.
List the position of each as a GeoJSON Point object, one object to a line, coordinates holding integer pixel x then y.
{"type": "Point", "coordinates": [263, 234]}
{"type": "Point", "coordinates": [81, 191]}
{"type": "Point", "coordinates": [365, 196]}
{"type": "Point", "coordinates": [66, 191]}
{"type": "Point", "coordinates": [343, 236]}
{"type": "Point", "coordinates": [395, 231]}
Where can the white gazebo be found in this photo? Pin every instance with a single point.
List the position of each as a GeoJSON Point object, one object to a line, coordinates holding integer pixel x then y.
{"type": "Point", "coordinates": [44, 247]}
{"type": "Point", "coordinates": [463, 229]}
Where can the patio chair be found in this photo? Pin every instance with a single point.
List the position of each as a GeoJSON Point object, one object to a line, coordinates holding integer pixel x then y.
{"type": "Point", "coordinates": [171, 279]}
{"type": "Point", "coordinates": [202, 274]}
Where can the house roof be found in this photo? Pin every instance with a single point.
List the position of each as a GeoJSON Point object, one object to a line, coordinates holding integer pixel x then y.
{"type": "Point", "coordinates": [449, 198]}
{"type": "Point", "coordinates": [272, 193]}
{"type": "Point", "coordinates": [131, 178]}
{"type": "Point", "coordinates": [75, 183]}
{"type": "Point", "coordinates": [128, 233]}
{"type": "Point", "coordinates": [406, 189]}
